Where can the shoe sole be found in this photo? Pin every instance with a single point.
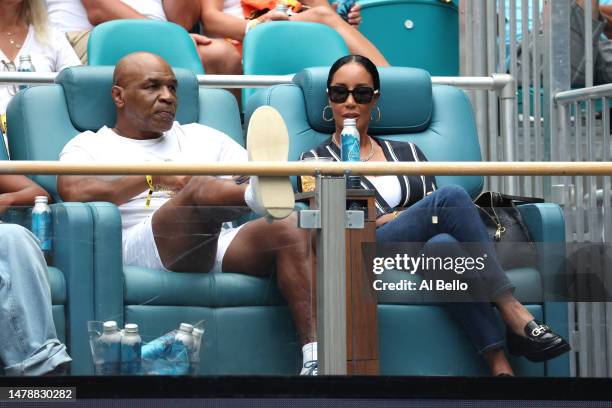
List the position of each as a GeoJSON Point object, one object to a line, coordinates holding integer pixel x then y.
{"type": "Point", "coordinates": [545, 354]}
{"type": "Point", "coordinates": [268, 140]}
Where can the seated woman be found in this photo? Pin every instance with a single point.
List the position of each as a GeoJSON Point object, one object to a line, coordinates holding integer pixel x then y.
{"type": "Point", "coordinates": [225, 19]}
{"type": "Point", "coordinates": [26, 32]}
{"type": "Point", "coordinates": [353, 88]}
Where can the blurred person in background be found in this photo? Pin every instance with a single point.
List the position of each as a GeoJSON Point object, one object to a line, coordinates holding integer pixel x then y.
{"type": "Point", "coordinates": [76, 18]}
{"type": "Point", "coordinates": [225, 19]}
{"type": "Point", "coordinates": [26, 32]}
{"type": "Point", "coordinates": [28, 340]}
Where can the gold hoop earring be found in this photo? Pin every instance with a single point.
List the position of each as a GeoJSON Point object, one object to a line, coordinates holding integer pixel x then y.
{"type": "Point", "coordinates": [378, 116]}
{"type": "Point", "coordinates": [323, 114]}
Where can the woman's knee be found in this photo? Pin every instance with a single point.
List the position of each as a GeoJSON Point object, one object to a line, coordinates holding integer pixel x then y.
{"type": "Point", "coordinates": [454, 195]}
{"type": "Point", "coordinates": [15, 234]}
{"type": "Point", "coordinates": [220, 57]}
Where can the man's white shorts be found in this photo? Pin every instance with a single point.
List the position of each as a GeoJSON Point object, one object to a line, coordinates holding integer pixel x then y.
{"type": "Point", "coordinates": [139, 247]}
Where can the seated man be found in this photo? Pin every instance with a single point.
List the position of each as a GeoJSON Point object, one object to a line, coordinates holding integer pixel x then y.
{"type": "Point", "coordinates": [177, 222]}
{"type": "Point", "coordinates": [28, 342]}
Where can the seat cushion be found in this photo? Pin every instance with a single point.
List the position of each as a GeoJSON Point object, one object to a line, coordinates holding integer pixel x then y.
{"type": "Point", "coordinates": [157, 287]}
{"type": "Point", "coordinates": [58, 286]}
{"type": "Point", "coordinates": [88, 96]}
{"type": "Point", "coordinates": [398, 85]}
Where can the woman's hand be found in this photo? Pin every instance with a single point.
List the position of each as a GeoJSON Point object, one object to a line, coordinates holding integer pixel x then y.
{"type": "Point", "coordinates": [354, 15]}
{"type": "Point", "coordinates": [273, 15]}
{"type": "Point", "coordinates": [385, 218]}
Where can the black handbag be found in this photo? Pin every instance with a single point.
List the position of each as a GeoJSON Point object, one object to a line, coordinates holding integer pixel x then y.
{"type": "Point", "coordinates": [505, 225]}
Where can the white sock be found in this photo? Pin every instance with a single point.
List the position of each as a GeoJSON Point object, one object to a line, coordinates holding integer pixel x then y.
{"type": "Point", "coordinates": [309, 352]}
{"type": "Point", "coordinates": [251, 201]}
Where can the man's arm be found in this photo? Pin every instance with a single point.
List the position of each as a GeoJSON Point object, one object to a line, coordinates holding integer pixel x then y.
{"type": "Point", "coordinates": [185, 13]}
{"type": "Point", "coordinates": [118, 191]}
{"type": "Point", "coordinates": [18, 190]}
{"type": "Point", "coordinates": [100, 11]}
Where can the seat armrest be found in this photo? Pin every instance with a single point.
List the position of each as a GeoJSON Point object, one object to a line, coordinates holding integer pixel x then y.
{"type": "Point", "coordinates": [72, 254]}
{"type": "Point", "coordinates": [107, 262]}
{"type": "Point", "coordinates": [546, 225]}
{"type": "Point", "coordinates": [547, 228]}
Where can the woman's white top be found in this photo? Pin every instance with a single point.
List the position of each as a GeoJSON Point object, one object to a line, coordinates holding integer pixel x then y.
{"type": "Point", "coordinates": [53, 56]}
{"type": "Point", "coordinates": [70, 15]}
{"type": "Point", "coordinates": [388, 187]}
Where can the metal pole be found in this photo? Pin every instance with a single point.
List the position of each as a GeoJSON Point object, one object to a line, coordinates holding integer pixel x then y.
{"type": "Point", "coordinates": [555, 26]}
{"type": "Point", "coordinates": [507, 97]}
{"type": "Point", "coordinates": [331, 276]}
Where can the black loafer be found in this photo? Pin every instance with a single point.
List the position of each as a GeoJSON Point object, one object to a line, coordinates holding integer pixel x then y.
{"type": "Point", "coordinates": [541, 343]}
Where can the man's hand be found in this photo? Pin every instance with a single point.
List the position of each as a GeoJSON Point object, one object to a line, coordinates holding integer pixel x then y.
{"type": "Point", "coordinates": [170, 183]}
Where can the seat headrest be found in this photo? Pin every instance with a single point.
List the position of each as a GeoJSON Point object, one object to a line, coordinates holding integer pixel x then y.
{"type": "Point", "coordinates": [405, 100]}
{"type": "Point", "coordinates": [88, 96]}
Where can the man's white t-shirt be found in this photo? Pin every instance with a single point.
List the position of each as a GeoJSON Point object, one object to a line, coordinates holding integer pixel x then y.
{"type": "Point", "coordinates": [70, 15]}
{"type": "Point", "coordinates": [53, 56]}
{"type": "Point", "coordinates": [192, 143]}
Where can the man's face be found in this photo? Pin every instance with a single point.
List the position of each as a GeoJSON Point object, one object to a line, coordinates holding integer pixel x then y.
{"type": "Point", "coordinates": [148, 99]}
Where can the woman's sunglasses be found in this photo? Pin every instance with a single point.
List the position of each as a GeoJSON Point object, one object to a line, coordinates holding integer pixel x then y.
{"type": "Point", "coordinates": [361, 94]}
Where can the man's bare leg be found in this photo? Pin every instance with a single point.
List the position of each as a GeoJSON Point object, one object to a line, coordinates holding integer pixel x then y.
{"type": "Point", "coordinates": [261, 247]}
{"type": "Point", "coordinates": [186, 228]}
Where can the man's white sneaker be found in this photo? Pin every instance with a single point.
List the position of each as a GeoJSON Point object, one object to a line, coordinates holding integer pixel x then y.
{"type": "Point", "coordinates": [268, 140]}
{"type": "Point", "coordinates": [310, 368]}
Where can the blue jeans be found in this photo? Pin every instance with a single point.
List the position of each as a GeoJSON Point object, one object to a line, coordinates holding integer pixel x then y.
{"type": "Point", "coordinates": [458, 222]}
{"type": "Point", "coordinates": [28, 341]}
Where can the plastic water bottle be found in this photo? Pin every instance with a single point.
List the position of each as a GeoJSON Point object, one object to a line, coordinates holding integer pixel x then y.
{"type": "Point", "coordinates": [350, 148]}
{"type": "Point", "coordinates": [158, 348]}
{"type": "Point", "coordinates": [182, 348]}
{"type": "Point", "coordinates": [25, 65]}
{"type": "Point", "coordinates": [41, 223]}
{"type": "Point", "coordinates": [194, 363]}
{"type": "Point", "coordinates": [110, 349]}
{"type": "Point", "coordinates": [343, 8]}
{"type": "Point", "coordinates": [131, 347]}
{"type": "Point", "coordinates": [281, 7]}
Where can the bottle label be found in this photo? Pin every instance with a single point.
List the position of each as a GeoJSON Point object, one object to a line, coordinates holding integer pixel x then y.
{"type": "Point", "coordinates": [41, 227]}
{"type": "Point", "coordinates": [350, 147]}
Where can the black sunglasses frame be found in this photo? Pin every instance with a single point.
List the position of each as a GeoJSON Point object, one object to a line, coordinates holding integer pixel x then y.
{"type": "Point", "coordinates": [345, 92]}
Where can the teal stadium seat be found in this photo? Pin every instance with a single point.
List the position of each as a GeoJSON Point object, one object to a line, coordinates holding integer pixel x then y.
{"type": "Point", "coordinates": [71, 270]}
{"type": "Point", "coordinates": [414, 33]}
{"type": "Point", "coordinates": [111, 41]}
{"type": "Point", "coordinates": [234, 307]}
{"type": "Point", "coordinates": [287, 47]}
{"type": "Point", "coordinates": [418, 339]}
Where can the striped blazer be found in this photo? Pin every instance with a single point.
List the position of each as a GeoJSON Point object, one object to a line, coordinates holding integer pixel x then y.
{"type": "Point", "coordinates": [413, 188]}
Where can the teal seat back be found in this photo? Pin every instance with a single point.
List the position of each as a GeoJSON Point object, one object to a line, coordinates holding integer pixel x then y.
{"type": "Point", "coordinates": [287, 47]}
{"type": "Point", "coordinates": [111, 41]}
{"type": "Point", "coordinates": [414, 33]}
{"type": "Point", "coordinates": [438, 118]}
{"type": "Point", "coordinates": [81, 100]}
